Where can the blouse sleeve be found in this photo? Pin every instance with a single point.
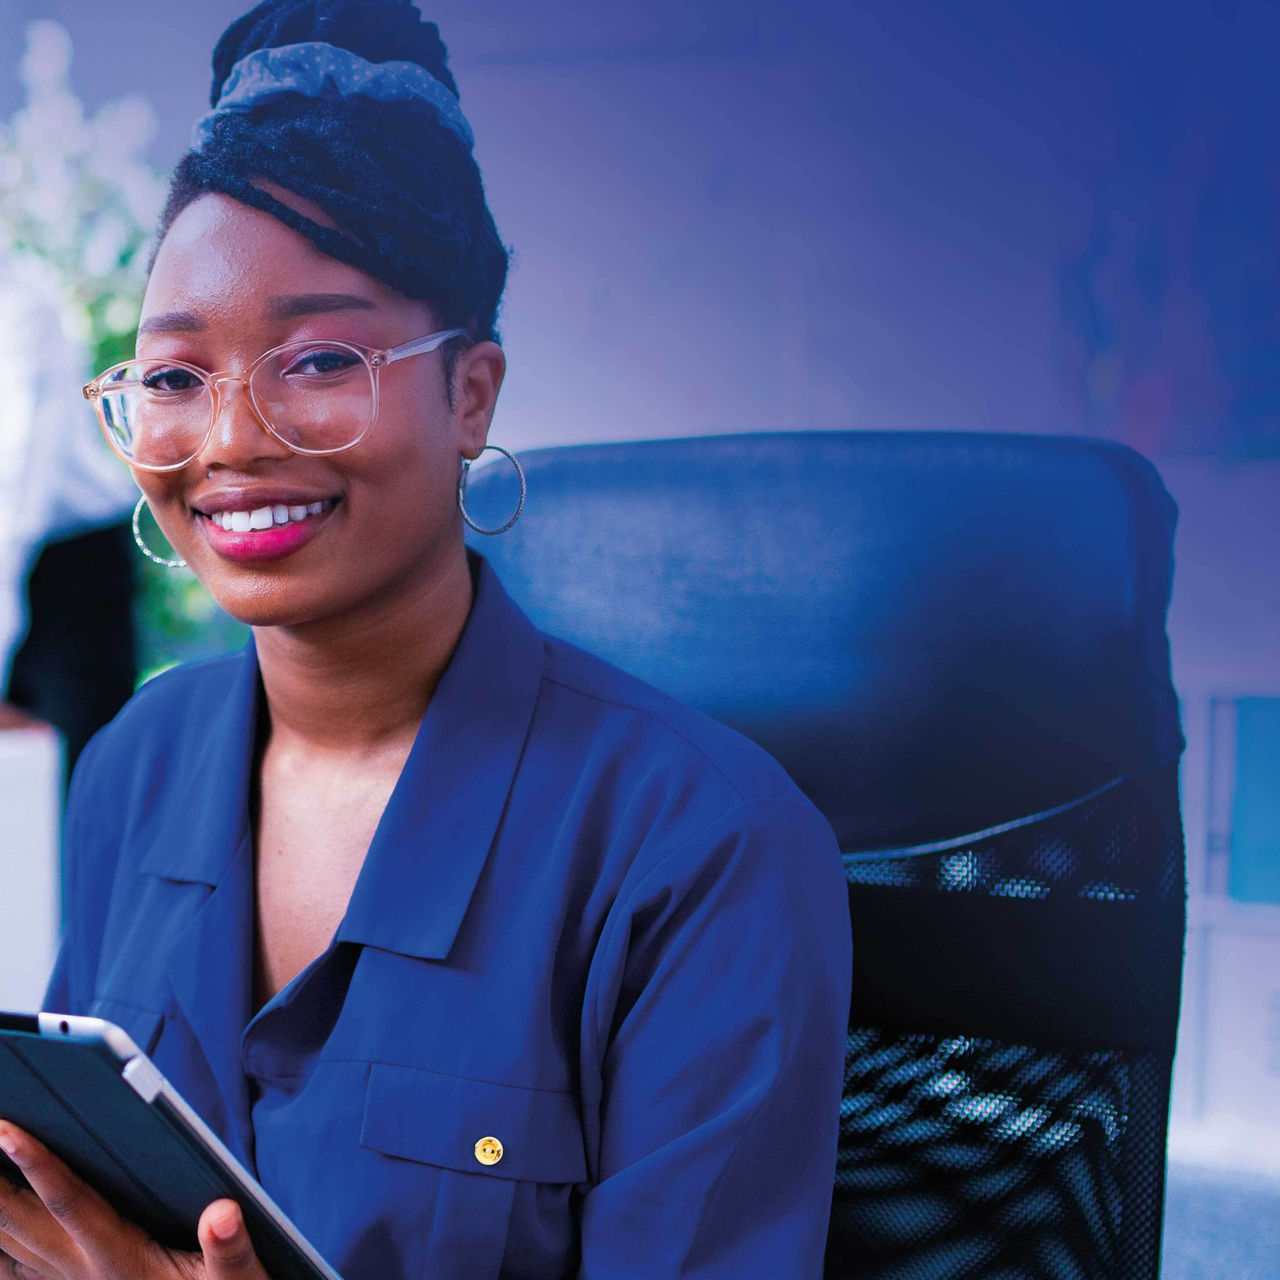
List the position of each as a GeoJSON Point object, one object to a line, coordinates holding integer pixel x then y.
{"type": "Point", "coordinates": [720, 1002]}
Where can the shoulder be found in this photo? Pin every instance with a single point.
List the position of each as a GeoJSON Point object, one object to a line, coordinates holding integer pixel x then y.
{"type": "Point", "coordinates": [182, 685]}
{"type": "Point", "coordinates": [163, 715]}
{"type": "Point", "coordinates": [169, 762]}
{"type": "Point", "coordinates": [655, 732]}
{"type": "Point", "coordinates": [667, 793]}
{"type": "Point", "coordinates": [708, 855]}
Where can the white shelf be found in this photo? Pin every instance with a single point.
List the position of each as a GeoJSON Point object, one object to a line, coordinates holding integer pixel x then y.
{"type": "Point", "coordinates": [30, 779]}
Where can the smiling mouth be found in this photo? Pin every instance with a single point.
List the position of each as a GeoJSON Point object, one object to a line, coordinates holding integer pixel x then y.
{"type": "Point", "coordinates": [260, 519]}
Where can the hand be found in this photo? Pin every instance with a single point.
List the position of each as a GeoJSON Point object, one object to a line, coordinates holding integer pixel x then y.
{"type": "Point", "coordinates": [62, 1229]}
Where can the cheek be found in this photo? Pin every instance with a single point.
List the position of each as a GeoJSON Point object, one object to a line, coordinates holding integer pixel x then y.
{"type": "Point", "coordinates": [408, 502]}
{"type": "Point", "coordinates": [414, 461]}
{"type": "Point", "coordinates": [164, 497]}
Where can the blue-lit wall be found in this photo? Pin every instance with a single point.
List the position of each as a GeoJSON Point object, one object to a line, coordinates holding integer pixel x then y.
{"type": "Point", "coordinates": [1003, 216]}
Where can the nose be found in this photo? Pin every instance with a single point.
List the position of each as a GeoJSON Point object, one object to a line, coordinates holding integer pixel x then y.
{"type": "Point", "coordinates": [238, 436]}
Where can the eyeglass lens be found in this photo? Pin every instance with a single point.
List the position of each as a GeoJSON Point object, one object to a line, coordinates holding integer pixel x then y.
{"type": "Point", "coordinates": [318, 398]}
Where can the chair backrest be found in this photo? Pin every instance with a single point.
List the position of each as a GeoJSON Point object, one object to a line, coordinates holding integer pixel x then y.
{"type": "Point", "coordinates": [955, 644]}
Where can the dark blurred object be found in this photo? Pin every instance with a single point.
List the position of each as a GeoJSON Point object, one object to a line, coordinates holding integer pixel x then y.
{"type": "Point", "coordinates": [955, 643]}
{"type": "Point", "coordinates": [77, 667]}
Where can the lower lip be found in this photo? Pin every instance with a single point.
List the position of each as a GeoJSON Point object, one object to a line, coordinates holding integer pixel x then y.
{"type": "Point", "coordinates": [263, 544]}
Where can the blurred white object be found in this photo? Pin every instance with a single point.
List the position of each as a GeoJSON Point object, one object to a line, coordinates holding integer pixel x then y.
{"type": "Point", "coordinates": [78, 202]}
{"type": "Point", "coordinates": [1224, 632]}
{"type": "Point", "coordinates": [77, 191]}
{"type": "Point", "coordinates": [30, 781]}
{"type": "Point", "coordinates": [57, 477]}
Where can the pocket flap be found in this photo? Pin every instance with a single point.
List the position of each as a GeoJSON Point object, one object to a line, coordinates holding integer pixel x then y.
{"type": "Point", "coordinates": [439, 1119]}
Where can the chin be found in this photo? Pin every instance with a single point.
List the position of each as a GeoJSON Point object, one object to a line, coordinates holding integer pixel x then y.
{"type": "Point", "coordinates": [264, 603]}
{"type": "Point", "coordinates": [303, 590]}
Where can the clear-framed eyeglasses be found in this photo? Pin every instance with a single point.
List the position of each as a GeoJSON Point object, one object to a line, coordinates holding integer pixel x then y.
{"type": "Point", "coordinates": [314, 396]}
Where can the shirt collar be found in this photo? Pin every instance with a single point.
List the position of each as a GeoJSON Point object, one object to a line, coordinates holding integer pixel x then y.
{"type": "Point", "coordinates": [435, 834]}
{"type": "Point", "coordinates": [436, 831]}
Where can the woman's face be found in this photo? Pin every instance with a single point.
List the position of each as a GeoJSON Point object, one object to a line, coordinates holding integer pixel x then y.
{"type": "Point", "coordinates": [230, 282]}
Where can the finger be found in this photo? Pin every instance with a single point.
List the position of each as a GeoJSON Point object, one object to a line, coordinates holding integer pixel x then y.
{"type": "Point", "coordinates": [16, 1270]}
{"type": "Point", "coordinates": [228, 1251]}
{"type": "Point", "coordinates": [16, 1254]}
{"type": "Point", "coordinates": [76, 1207]}
{"type": "Point", "coordinates": [28, 1231]}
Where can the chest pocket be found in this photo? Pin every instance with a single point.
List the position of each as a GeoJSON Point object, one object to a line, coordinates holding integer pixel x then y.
{"type": "Point", "coordinates": [472, 1126]}
{"type": "Point", "coordinates": [481, 1145]}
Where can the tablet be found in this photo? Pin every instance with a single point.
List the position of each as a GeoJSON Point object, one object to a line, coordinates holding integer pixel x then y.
{"type": "Point", "coordinates": [84, 1089]}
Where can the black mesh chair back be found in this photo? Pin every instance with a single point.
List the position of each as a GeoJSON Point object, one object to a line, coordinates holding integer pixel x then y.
{"type": "Point", "coordinates": [955, 644]}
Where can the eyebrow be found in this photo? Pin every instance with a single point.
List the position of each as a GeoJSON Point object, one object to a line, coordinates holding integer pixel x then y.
{"type": "Point", "coordinates": [286, 307]}
{"type": "Point", "coordinates": [309, 304]}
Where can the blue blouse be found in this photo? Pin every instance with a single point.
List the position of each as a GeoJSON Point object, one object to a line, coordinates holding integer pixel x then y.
{"type": "Point", "coordinates": [585, 1013]}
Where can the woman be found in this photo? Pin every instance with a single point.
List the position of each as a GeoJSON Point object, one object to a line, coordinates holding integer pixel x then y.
{"type": "Point", "coordinates": [486, 958]}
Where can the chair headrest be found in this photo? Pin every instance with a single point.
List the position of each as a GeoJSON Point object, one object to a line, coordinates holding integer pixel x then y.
{"type": "Point", "coordinates": [934, 632]}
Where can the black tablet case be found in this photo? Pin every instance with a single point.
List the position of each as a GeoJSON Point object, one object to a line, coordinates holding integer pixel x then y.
{"type": "Point", "coordinates": [139, 1156]}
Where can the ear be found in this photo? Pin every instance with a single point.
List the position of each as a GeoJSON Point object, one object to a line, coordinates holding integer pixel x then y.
{"type": "Point", "coordinates": [477, 379]}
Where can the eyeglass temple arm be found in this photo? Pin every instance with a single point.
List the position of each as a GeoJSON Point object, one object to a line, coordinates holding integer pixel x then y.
{"type": "Point", "coordinates": [419, 345]}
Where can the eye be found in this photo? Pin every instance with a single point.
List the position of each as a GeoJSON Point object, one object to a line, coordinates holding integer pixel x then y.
{"type": "Point", "coordinates": [169, 381]}
{"type": "Point", "coordinates": [318, 362]}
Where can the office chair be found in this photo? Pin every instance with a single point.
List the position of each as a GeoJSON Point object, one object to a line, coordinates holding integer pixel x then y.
{"type": "Point", "coordinates": [955, 644]}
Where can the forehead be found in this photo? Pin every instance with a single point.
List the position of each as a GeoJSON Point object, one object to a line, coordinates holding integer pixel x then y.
{"type": "Point", "coordinates": [222, 256]}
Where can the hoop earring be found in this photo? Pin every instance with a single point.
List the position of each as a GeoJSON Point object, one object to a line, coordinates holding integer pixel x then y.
{"type": "Point", "coordinates": [142, 546]}
{"type": "Point", "coordinates": [462, 490]}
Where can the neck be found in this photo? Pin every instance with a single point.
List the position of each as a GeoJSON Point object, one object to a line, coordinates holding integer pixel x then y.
{"type": "Point", "coordinates": [359, 684]}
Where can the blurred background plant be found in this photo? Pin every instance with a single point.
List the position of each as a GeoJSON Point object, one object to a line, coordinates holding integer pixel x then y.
{"type": "Point", "coordinates": [78, 203]}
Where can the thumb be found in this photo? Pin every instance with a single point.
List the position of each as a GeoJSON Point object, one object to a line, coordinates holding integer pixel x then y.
{"type": "Point", "coordinates": [228, 1252]}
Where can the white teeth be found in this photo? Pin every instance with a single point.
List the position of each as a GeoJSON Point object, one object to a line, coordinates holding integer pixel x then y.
{"type": "Point", "coordinates": [267, 517]}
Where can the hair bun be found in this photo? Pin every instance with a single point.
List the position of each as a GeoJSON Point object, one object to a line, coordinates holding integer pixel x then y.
{"type": "Point", "coordinates": [377, 30]}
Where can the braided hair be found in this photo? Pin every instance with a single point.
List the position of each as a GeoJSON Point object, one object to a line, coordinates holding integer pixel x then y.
{"type": "Point", "coordinates": [402, 186]}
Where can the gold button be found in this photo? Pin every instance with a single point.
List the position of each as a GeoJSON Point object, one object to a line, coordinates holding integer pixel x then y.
{"type": "Point", "coordinates": [488, 1151]}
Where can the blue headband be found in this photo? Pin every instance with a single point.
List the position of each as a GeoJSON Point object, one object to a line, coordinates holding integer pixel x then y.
{"type": "Point", "coordinates": [319, 70]}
